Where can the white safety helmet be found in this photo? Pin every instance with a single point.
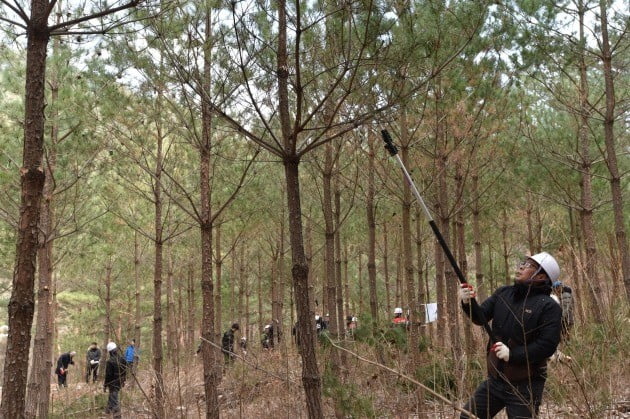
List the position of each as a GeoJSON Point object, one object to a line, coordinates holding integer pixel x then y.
{"type": "Point", "coordinates": [398, 310]}
{"type": "Point", "coordinates": [111, 346]}
{"type": "Point", "coordinates": [548, 264]}
{"type": "Point", "coordinates": [354, 319]}
{"type": "Point", "coordinates": [267, 326]}
{"type": "Point", "coordinates": [316, 317]}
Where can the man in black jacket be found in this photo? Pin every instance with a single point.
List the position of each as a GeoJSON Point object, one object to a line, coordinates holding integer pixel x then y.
{"type": "Point", "coordinates": [227, 344]}
{"type": "Point", "coordinates": [114, 379]}
{"type": "Point", "coordinates": [64, 361]}
{"type": "Point", "coordinates": [527, 323]}
{"type": "Point", "coordinates": [92, 360]}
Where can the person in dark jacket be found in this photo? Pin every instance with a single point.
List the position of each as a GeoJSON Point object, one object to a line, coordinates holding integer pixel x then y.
{"type": "Point", "coordinates": [114, 379]}
{"type": "Point", "coordinates": [227, 344]}
{"type": "Point", "coordinates": [92, 360]}
{"type": "Point", "coordinates": [63, 362]}
{"type": "Point", "coordinates": [527, 324]}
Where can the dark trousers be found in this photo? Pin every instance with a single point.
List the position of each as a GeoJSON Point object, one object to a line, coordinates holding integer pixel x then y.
{"type": "Point", "coordinates": [228, 355]}
{"type": "Point", "coordinates": [113, 403]}
{"type": "Point", "coordinates": [61, 380]}
{"type": "Point", "coordinates": [520, 400]}
{"type": "Point", "coordinates": [92, 370]}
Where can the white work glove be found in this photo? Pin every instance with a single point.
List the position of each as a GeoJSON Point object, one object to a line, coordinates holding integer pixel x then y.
{"type": "Point", "coordinates": [466, 292]}
{"type": "Point", "coordinates": [501, 351]}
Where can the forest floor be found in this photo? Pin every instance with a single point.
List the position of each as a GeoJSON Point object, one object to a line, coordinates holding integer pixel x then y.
{"type": "Point", "coordinates": [268, 384]}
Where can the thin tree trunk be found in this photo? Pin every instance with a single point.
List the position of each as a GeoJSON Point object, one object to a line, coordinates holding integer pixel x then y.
{"type": "Point", "coordinates": [388, 298]}
{"type": "Point", "coordinates": [170, 306]}
{"type": "Point", "coordinates": [482, 292]}
{"type": "Point", "coordinates": [190, 293]}
{"type": "Point", "coordinates": [530, 228]}
{"type": "Point", "coordinates": [260, 295]}
{"type": "Point", "coordinates": [506, 251]}
{"type": "Point", "coordinates": [278, 315]}
{"type": "Point", "coordinates": [577, 285]}
{"type": "Point", "coordinates": [331, 289]}
{"type": "Point", "coordinates": [218, 299]}
{"type": "Point", "coordinates": [211, 366]}
{"type": "Point", "coordinates": [136, 276]}
{"type": "Point", "coordinates": [586, 213]}
{"type": "Point", "coordinates": [422, 296]}
{"type": "Point", "coordinates": [241, 286]}
{"type": "Point", "coordinates": [611, 153]}
{"type": "Point", "coordinates": [409, 270]}
{"type": "Point", "coordinates": [157, 283]}
{"type": "Point", "coordinates": [107, 324]}
{"type": "Point", "coordinates": [346, 281]}
{"type": "Point", "coordinates": [338, 279]}
{"type": "Point", "coordinates": [371, 222]}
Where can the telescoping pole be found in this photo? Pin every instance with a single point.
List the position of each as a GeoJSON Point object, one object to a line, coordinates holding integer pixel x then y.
{"type": "Point", "coordinates": [389, 145]}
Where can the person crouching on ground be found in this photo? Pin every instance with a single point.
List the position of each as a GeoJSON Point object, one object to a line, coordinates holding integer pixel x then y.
{"type": "Point", "coordinates": [64, 361]}
{"type": "Point", "coordinates": [527, 323]}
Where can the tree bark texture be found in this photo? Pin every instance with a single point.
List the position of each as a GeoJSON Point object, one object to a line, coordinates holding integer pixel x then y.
{"type": "Point", "coordinates": [21, 304]}
{"type": "Point", "coordinates": [611, 153]}
{"type": "Point", "coordinates": [371, 222]}
{"type": "Point", "coordinates": [310, 374]}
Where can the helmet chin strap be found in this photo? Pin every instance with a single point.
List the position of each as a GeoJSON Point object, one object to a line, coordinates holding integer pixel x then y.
{"type": "Point", "coordinates": [531, 280]}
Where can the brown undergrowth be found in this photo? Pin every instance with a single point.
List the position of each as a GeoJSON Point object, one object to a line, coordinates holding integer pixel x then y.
{"type": "Point", "coordinates": [594, 384]}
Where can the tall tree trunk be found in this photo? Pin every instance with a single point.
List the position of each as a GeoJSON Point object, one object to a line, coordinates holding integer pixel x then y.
{"type": "Point", "coordinates": [279, 306]}
{"type": "Point", "coordinates": [422, 296]}
{"type": "Point", "coordinates": [338, 279]}
{"type": "Point", "coordinates": [611, 153]}
{"type": "Point", "coordinates": [388, 297]}
{"type": "Point", "coordinates": [460, 242]}
{"type": "Point", "coordinates": [21, 304]}
{"type": "Point", "coordinates": [505, 247]}
{"type": "Point", "coordinates": [171, 332]}
{"type": "Point", "coordinates": [482, 290]}
{"type": "Point", "coordinates": [39, 382]}
{"type": "Point", "coordinates": [260, 295]}
{"type": "Point", "coordinates": [211, 366]}
{"type": "Point", "coordinates": [190, 303]}
{"type": "Point", "coordinates": [38, 395]}
{"type": "Point", "coordinates": [157, 283]}
{"type": "Point", "coordinates": [241, 286]}
{"type": "Point", "coordinates": [329, 246]}
{"type": "Point", "coordinates": [371, 222]}
{"type": "Point", "coordinates": [586, 213]}
{"type": "Point", "coordinates": [346, 281]}
{"type": "Point", "coordinates": [218, 299]}
{"type": "Point", "coordinates": [310, 374]}
{"type": "Point", "coordinates": [136, 275]}
{"type": "Point", "coordinates": [233, 279]}
{"type": "Point", "coordinates": [530, 224]}
{"type": "Point", "coordinates": [409, 301]}
{"type": "Point", "coordinates": [578, 280]}
{"type": "Point", "coordinates": [107, 323]}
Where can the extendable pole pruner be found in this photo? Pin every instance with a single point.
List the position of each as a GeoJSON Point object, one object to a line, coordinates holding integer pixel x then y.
{"type": "Point", "coordinates": [389, 145]}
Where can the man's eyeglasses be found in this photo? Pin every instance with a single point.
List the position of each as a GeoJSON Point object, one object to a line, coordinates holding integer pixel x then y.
{"type": "Point", "coordinates": [527, 264]}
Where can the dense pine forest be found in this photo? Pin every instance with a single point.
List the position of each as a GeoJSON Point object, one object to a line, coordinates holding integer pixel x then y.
{"type": "Point", "coordinates": [190, 176]}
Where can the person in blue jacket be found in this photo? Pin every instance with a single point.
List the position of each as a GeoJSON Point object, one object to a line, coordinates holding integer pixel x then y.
{"type": "Point", "coordinates": [526, 322]}
{"type": "Point", "coordinates": [130, 356]}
